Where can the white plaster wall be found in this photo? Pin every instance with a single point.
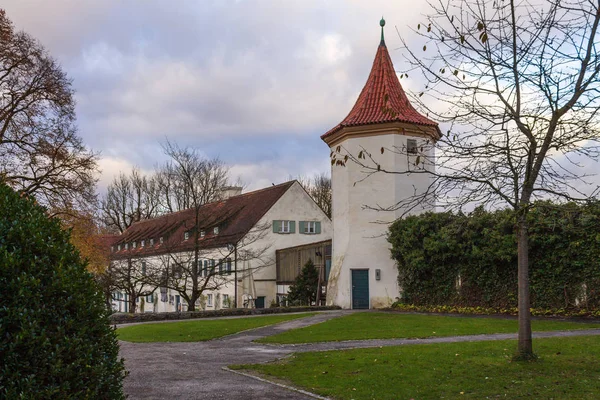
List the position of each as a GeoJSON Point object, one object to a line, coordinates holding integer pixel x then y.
{"type": "Point", "coordinates": [359, 240]}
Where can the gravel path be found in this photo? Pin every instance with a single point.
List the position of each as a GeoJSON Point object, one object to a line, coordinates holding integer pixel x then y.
{"type": "Point", "coordinates": [195, 370]}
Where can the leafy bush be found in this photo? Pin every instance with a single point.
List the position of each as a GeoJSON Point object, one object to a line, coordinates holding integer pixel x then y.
{"type": "Point", "coordinates": [55, 337]}
{"type": "Point", "coordinates": [471, 260]}
{"type": "Point", "coordinates": [304, 289]}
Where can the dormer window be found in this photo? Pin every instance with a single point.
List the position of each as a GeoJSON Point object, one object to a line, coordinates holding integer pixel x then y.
{"type": "Point", "coordinates": [152, 242]}
{"type": "Point", "coordinates": [143, 243]}
{"type": "Point", "coordinates": [126, 246]}
{"type": "Point", "coordinates": [202, 234]}
{"type": "Point", "coordinates": [112, 249]}
{"type": "Point", "coordinates": [160, 240]}
{"type": "Point", "coordinates": [118, 247]}
{"type": "Point", "coordinates": [216, 230]}
{"type": "Point", "coordinates": [133, 245]}
{"type": "Point", "coordinates": [186, 235]}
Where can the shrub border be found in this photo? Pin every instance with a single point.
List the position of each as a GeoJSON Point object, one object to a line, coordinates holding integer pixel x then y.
{"type": "Point", "coordinates": [536, 312]}
{"type": "Point", "coordinates": [127, 318]}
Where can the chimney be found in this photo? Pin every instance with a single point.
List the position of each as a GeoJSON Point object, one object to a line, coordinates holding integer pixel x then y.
{"type": "Point", "coordinates": [230, 191]}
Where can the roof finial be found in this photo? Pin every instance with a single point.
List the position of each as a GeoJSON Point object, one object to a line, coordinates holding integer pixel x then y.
{"type": "Point", "coordinates": [382, 24]}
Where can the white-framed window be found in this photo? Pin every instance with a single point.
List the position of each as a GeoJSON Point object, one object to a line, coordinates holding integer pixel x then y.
{"type": "Point", "coordinates": [285, 227]}
{"type": "Point", "coordinates": [126, 246]}
{"type": "Point", "coordinates": [118, 247]}
{"type": "Point", "coordinates": [186, 235]}
{"type": "Point", "coordinates": [216, 230]}
{"type": "Point", "coordinates": [411, 146]}
{"type": "Point", "coordinates": [152, 242]}
{"type": "Point", "coordinates": [112, 249]}
{"type": "Point", "coordinates": [202, 234]}
{"type": "Point", "coordinates": [161, 240]}
{"type": "Point", "coordinates": [150, 298]}
{"type": "Point", "coordinates": [209, 300]}
{"type": "Point", "coordinates": [225, 301]}
{"type": "Point", "coordinates": [134, 245]}
{"type": "Point", "coordinates": [143, 243]}
{"type": "Point", "coordinates": [310, 227]}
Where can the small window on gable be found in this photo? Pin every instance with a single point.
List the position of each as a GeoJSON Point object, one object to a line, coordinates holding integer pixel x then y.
{"type": "Point", "coordinates": [143, 243]}
{"type": "Point", "coordinates": [202, 234]}
{"type": "Point", "coordinates": [411, 146]}
{"type": "Point", "coordinates": [216, 230]}
{"type": "Point", "coordinates": [310, 227]}
{"type": "Point", "coordinates": [186, 235]}
{"type": "Point", "coordinates": [284, 226]}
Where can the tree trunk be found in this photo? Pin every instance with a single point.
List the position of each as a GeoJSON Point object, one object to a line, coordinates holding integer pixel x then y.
{"type": "Point", "coordinates": [132, 304]}
{"type": "Point", "coordinates": [525, 348]}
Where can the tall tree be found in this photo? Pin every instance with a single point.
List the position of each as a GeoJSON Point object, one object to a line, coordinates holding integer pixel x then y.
{"type": "Point", "coordinates": [188, 180]}
{"type": "Point", "coordinates": [128, 199]}
{"type": "Point", "coordinates": [518, 84]}
{"type": "Point", "coordinates": [40, 151]}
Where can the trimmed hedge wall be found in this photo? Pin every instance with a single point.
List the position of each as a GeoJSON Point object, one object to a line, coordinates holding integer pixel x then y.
{"type": "Point", "coordinates": [126, 318]}
{"type": "Point", "coordinates": [471, 260]}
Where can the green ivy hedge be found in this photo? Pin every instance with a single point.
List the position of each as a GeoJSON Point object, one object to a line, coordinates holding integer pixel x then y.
{"type": "Point", "coordinates": [55, 337]}
{"type": "Point", "coordinates": [471, 260]}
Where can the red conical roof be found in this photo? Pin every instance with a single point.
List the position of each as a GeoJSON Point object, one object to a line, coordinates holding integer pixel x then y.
{"type": "Point", "coordinates": [382, 99]}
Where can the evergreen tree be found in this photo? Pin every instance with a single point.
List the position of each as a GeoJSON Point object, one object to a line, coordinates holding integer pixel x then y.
{"type": "Point", "coordinates": [55, 338]}
{"type": "Point", "coordinates": [304, 289]}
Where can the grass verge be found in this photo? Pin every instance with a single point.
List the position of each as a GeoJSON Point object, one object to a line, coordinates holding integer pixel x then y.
{"type": "Point", "coordinates": [374, 325]}
{"type": "Point", "coordinates": [199, 330]}
{"type": "Point", "coordinates": [567, 368]}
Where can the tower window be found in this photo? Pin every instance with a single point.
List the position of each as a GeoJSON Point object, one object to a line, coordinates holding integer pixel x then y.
{"type": "Point", "coordinates": [411, 146]}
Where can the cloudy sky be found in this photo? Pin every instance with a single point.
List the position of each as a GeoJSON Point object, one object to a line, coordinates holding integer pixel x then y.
{"type": "Point", "coordinates": [252, 82]}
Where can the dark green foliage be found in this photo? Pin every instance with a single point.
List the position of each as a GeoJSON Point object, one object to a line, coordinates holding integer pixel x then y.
{"type": "Point", "coordinates": [304, 289]}
{"type": "Point", "coordinates": [471, 260]}
{"type": "Point", "coordinates": [55, 337]}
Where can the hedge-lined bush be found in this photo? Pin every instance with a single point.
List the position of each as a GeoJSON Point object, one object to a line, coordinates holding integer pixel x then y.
{"type": "Point", "coordinates": [471, 260]}
{"type": "Point", "coordinates": [55, 337]}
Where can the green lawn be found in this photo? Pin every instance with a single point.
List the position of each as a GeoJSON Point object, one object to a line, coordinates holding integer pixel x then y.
{"type": "Point", "coordinates": [568, 368]}
{"type": "Point", "coordinates": [199, 330]}
{"type": "Point", "coordinates": [382, 325]}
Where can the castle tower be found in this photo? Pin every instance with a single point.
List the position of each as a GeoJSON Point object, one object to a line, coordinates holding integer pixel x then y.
{"type": "Point", "coordinates": [363, 275]}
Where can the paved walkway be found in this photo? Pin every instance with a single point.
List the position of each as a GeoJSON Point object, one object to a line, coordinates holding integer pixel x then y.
{"type": "Point", "coordinates": [194, 370]}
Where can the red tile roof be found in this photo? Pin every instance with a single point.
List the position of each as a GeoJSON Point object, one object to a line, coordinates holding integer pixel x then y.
{"type": "Point", "coordinates": [382, 99]}
{"type": "Point", "coordinates": [234, 217]}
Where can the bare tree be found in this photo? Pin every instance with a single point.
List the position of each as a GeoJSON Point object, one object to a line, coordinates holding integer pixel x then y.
{"type": "Point", "coordinates": [319, 189]}
{"type": "Point", "coordinates": [40, 152]}
{"type": "Point", "coordinates": [518, 84]}
{"type": "Point", "coordinates": [199, 269]}
{"type": "Point", "coordinates": [188, 180]}
{"type": "Point", "coordinates": [130, 198]}
{"type": "Point", "coordinates": [131, 275]}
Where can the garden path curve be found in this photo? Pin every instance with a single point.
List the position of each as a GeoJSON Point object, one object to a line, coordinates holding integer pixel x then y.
{"type": "Point", "coordinates": [195, 370]}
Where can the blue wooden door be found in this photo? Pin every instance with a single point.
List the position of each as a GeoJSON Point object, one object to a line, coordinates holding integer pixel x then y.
{"type": "Point", "coordinates": [360, 289]}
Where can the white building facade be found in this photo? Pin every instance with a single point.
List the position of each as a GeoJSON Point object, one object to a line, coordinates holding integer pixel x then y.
{"type": "Point", "coordinates": [240, 243]}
